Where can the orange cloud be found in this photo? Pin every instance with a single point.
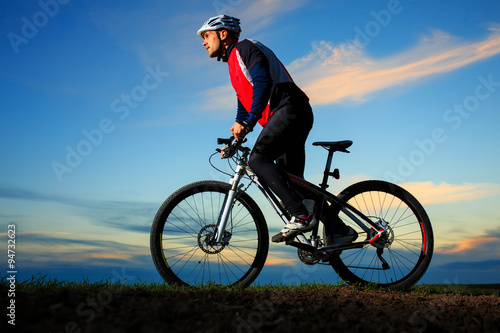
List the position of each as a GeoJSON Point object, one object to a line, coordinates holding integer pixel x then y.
{"type": "Point", "coordinates": [108, 256]}
{"type": "Point", "coordinates": [332, 74]}
{"type": "Point", "coordinates": [430, 193]}
{"type": "Point", "coordinates": [280, 261]}
{"type": "Point", "coordinates": [470, 244]}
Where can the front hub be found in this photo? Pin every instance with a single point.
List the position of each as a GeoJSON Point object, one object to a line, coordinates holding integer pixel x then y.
{"type": "Point", "coordinates": [206, 239]}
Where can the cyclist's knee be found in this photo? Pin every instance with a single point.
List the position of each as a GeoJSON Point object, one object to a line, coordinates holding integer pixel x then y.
{"type": "Point", "coordinates": [253, 161]}
{"type": "Point", "coordinates": [258, 161]}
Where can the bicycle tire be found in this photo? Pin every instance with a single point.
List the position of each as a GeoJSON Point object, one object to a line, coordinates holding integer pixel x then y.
{"type": "Point", "coordinates": [182, 225]}
{"type": "Point", "coordinates": [408, 247]}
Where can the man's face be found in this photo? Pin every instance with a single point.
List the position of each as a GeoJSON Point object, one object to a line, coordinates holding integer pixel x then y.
{"type": "Point", "coordinates": [211, 43]}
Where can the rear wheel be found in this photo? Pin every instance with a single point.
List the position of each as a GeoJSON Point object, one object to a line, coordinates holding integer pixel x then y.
{"type": "Point", "coordinates": [407, 245]}
{"type": "Point", "coordinates": [182, 238]}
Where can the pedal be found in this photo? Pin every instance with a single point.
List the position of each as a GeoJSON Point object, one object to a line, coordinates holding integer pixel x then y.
{"type": "Point", "coordinates": [279, 238]}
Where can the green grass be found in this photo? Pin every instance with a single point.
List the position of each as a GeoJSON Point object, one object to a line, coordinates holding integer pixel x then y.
{"type": "Point", "coordinates": [38, 282]}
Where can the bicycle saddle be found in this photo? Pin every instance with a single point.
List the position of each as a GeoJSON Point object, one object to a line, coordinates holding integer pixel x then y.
{"type": "Point", "coordinates": [334, 146]}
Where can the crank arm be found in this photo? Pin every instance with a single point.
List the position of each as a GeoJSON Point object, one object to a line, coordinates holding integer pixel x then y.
{"type": "Point", "coordinates": [318, 255]}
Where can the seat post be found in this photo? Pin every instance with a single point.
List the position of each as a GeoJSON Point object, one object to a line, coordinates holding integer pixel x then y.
{"type": "Point", "coordinates": [326, 173]}
{"type": "Point", "coordinates": [332, 146]}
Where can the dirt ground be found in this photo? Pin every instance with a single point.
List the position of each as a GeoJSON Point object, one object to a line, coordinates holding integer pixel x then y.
{"type": "Point", "coordinates": [339, 309]}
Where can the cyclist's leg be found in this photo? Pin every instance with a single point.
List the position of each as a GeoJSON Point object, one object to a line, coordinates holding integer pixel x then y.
{"type": "Point", "coordinates": [294, 161]}
{"type": "Point", "coordinates": [278, 181]}
{"type": "Point", "coordinates": [285, 132]}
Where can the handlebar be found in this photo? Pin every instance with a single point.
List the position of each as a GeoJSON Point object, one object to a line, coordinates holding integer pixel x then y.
{"type": "Point", "coordinates": [233, 146]}
{"type": "Point", "coordinates": [222, 141]}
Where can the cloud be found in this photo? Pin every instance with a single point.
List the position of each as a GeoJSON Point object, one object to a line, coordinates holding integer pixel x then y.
{"type": "Point", "coordinates": [475, 259]}
{"type": "Point", "coordinates": [66, 250]}
{"type": "Point", "coordinates": [485, 245]}
{"type": "Point", "coordinates": [39, 233]}
{"type": "Point", "coordinates": [333, 74]}
{"type": "Point", "coordinates": [223, 98]}
{"type": "Point", "coordinates": [430, 193]}
{"type": "Point", "coordinates": [263, 13]}
{"type": "Point", "coordinates": [471, 244]}
{"type": "Point", "coordinates": [17, 193]}
{"type": "Point", "coordinates": [134, 216]}
{"type": "Point", "coordinates": [53, 240]}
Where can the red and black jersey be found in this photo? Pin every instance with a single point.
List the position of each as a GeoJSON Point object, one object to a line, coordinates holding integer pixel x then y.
{"type": "Point", "coordinates": [261, 82]}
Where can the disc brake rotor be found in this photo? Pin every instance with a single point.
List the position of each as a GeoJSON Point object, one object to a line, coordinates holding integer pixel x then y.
{"type": "Point", "coordinates": [206, 239]}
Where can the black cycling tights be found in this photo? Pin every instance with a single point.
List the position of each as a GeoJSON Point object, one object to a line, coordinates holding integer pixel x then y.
{"type": "Point", "coordinates": [283, 140]}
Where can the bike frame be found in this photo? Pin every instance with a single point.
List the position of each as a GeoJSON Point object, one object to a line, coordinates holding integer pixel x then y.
{"type": "Point", "coordinates": [303, 243]}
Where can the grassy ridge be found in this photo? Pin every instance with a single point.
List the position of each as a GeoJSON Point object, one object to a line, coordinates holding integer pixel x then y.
{"type": "Point", "coordinates": [39, 282]}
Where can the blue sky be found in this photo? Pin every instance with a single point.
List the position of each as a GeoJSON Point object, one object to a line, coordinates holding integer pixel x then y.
{"type": "Point", "coordinates": [108, 107]}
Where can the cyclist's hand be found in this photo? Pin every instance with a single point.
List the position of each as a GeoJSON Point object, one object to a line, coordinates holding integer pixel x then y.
{"type": "Point", "coordinates": [239, 131]}
{"type": "Point", "coordinates": [224, 153]}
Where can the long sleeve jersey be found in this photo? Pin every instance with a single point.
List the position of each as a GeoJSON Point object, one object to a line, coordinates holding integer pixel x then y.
{"type": "Point", "coordinates": [261, 82]}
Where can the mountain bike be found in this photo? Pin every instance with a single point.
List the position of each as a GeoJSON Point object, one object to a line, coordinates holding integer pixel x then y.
{"type": "Point", "coordinates": [213, 232]}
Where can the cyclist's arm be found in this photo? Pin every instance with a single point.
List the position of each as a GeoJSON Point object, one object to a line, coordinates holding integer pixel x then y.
{"type": "Point", "coordinates": [241, 113]}
{"type": "Point", "coordinates": [258, 67]}
{"type": "Point", "coordinates": [262, 84]}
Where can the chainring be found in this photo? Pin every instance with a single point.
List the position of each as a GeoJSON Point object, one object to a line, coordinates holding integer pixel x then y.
{"type": "Point", "coordinates": [307, 257]}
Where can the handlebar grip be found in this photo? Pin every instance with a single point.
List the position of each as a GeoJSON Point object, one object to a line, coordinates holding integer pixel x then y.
{"type": "Point", "coordinates": [221, 141]}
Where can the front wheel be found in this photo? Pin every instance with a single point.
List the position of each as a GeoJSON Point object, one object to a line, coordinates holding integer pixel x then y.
{"type": "Point", "coordinates": [407, 245]}
{"type": "Point", "coordinates": [182, 238]}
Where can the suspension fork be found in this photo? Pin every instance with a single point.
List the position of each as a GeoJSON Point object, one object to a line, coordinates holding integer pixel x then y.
{"type": "Point", "coordinates": [228, 201]}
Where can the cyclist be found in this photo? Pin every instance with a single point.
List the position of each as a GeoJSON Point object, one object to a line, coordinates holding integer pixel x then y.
{"type": "Point", "coordinates": [266, 94]}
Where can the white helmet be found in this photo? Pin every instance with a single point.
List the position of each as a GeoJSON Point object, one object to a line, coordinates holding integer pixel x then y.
{"type": "Point", "coordinates": [221, 22]}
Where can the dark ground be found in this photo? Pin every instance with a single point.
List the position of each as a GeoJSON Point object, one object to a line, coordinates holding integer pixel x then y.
{"type": "Point", "coordinates": [336, 309]}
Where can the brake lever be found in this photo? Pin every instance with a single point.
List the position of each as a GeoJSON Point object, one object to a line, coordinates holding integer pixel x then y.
{"type": "Point", "coordinates": [232, 147]}
{"type": "Point", "coordinates": [225, 152]}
